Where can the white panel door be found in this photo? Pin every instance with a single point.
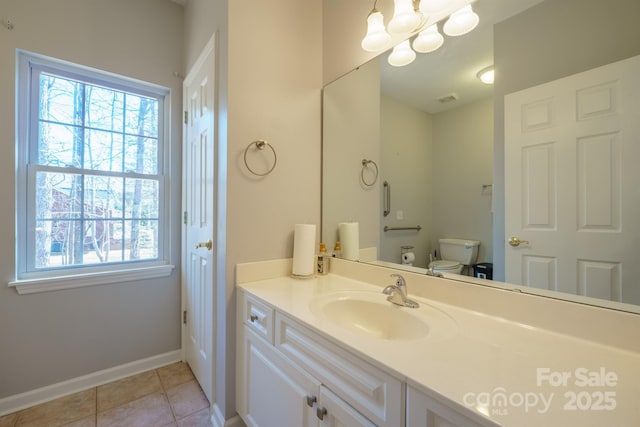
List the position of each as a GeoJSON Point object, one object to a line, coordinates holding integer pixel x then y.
{"type": "Point", "coordinates": [198, 253]}
{"type": "Point", "coordinates": [572, 179]}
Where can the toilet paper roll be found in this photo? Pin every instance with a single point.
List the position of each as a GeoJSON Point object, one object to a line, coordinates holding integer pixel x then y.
{"type": "Point", "coordinates": [304, 244]}
{"type": "Point", "coordinates": [408, 258]}
{"type": "Point", "coordinates": [350, 240]}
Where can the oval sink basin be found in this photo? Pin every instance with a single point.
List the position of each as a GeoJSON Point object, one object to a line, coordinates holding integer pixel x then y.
{"type": "Point", "coordinates": [370, 314]}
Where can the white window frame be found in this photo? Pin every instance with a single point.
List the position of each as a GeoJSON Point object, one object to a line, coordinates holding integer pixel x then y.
{"type": "Point", "coordinates": [27, 278]}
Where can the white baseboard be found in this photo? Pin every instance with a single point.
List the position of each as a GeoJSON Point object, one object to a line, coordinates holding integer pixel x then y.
{"type": "Point", "coordinates": [34, 397]}
{"type": "Point", "coordinates": [217, 419]}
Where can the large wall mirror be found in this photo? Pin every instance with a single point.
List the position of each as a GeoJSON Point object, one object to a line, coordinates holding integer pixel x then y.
{"type": "Point", "coordinates": [437, 137]}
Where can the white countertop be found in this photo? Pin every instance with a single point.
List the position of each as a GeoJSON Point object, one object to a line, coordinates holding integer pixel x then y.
{"type": "Point", "coordinates": [484, 359]}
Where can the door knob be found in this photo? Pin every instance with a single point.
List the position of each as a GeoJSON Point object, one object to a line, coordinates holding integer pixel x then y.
{"type": "Point", "coordinates": [515, 241]}
{"type": "Point", "coordinates": [208, 244]}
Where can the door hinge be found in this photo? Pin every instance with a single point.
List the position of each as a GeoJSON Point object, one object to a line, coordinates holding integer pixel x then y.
{"type": "Point", "coordinates": [185, 217]}
{"type": "Point", "coordinates": [186, 117]}
{"type": "Point", "coordinates": [184, 317]}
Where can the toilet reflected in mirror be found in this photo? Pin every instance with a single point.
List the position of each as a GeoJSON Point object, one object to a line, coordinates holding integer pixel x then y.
{"type": "Point", "coordinates": [457, 256]}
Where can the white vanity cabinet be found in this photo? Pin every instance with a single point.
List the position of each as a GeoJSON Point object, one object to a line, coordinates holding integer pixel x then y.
{"type": "Point", "coordinates": [290, 376]}
{"type": "Point", "coordinates": [422, 411]}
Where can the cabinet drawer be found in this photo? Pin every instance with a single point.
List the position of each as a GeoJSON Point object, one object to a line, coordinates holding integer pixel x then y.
{"type": "Point", "coordinates": [375, 394]}
{"type": "Point", "coordinates": [257, 316]}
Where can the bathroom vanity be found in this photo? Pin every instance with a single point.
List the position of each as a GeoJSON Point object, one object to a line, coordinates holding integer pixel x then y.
{"type": "Point", "coordinates": [333, 351]}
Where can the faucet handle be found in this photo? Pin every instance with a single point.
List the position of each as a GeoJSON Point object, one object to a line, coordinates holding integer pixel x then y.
{"type": "Point", "coordinates": [399, 280]}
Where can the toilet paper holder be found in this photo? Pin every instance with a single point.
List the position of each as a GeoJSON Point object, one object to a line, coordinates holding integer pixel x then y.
{"type": "Point", "coordinates": [406, 255]}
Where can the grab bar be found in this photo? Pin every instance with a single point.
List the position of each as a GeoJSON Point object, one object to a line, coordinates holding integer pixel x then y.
{"type": "Point", "coordinates": [387, 228]}
{"type": "Point", "coordinates": [387, 198]}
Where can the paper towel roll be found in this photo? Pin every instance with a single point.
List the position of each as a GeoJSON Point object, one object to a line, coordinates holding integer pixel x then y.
{"type": "Point", "coordinates": [408, 258]}
{"type": "Point", "coordinates": [350, 240]}
{"type": "Point", "coordinates": [304, 244]}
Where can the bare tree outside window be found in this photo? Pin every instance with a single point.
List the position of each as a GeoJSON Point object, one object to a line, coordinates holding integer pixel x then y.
{"type": "Point", "coordinates": [96, 176]}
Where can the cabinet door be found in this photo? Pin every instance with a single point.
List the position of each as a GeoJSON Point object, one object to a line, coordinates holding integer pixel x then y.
{"type": "Point", "coordinates": [423, 411]}
{"type": "Point", "coordinates": [273, 393]}
{"type": "Point", "coordinates": [335, 412]}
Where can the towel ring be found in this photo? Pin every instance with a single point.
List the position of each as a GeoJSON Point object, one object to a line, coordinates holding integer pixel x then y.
{"type": "Point", "coordinates": [260, 144]}
{"type": "Point", "coordinates": [365, 163]}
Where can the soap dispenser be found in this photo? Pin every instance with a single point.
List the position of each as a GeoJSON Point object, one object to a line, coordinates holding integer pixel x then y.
{"type": "Point", "coordinates": [323, 260]}
{"type": "Point", "coordinates": [337, 250]}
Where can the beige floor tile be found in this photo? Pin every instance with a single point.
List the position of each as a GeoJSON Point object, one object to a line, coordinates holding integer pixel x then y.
{"type": "Point", "coordinates": [199, 419]}
{"type": "Point", "coordinates": [149, 411]}
{"type": "Point", "coordinates": [60, 411]}
{"type": "Point", "coordinates": [8, 420]}
{"type": "Point", "coordinates": [186, 399]}
{"type": "Point", "coordinates": [128, 389]}
{"type": "Point", "coordinates": [175, 374]}
{"type": "Point", "coordinates": [85, 422]}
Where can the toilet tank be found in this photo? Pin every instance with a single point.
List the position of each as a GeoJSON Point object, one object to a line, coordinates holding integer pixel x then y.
{"type": "Point", "coordinates": [463, 251]}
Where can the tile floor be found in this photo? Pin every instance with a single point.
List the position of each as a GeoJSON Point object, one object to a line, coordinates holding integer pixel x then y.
{"type": "Point", "coordinates": [168, 396]}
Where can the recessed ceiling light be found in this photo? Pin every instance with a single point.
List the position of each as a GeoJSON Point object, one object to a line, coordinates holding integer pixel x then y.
{"type": "Point", "coordinates": [486, 75]}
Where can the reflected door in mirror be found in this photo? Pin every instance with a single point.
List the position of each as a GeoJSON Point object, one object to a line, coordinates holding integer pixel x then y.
{"type": "Point", "coordinates": [569, 146]}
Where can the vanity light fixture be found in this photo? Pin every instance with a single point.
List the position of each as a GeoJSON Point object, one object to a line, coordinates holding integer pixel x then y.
{"type": "Point", "coordinates": [461, 22]}
{"type": "Point", "coordinates": [486, 75]}
{"type": "Point", "coordinates": [428, 7]}
{"type": "Point", "coordinates": [428, 40]}
{"type": "Point", "coordinates": [409, 17]}
{"type": "Point", "coordinates": [377, 38]}
{"type": "Point", "coordinates": [402, 55]}
{"type": "Point", "coordinates": [405, 19]}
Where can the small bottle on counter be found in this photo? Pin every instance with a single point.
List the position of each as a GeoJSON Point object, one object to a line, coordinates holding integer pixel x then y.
{"type": "Point", "coordinates": [337, 250]}
{"type": "Point", "coordinates": [323, 260]}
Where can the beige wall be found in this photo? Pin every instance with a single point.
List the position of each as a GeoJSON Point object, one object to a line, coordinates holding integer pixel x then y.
{"type": "Point", "coordinates": [50, 337]}
{"type": "Point", "coordinates": [269, 87]}
{"type": "Point", "coordinates": [351, 133]}
{"type": "Point", "coordinates": [462, 162]}
{"type": "Point", "coordinates": [407, 161]}
{"type": "Point", "coordinates": [554, 39]}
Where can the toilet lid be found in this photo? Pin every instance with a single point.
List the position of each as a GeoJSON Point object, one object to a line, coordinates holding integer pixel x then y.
{"type": "Point", "coordinates": [444, 265]}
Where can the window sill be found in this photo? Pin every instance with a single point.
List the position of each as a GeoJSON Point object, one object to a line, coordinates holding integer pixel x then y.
{"type": "Point", "coordinates": [32, 286]}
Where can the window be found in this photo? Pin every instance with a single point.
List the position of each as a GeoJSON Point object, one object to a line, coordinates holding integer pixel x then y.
{"type": "Point", "coordinates": [91, 192]}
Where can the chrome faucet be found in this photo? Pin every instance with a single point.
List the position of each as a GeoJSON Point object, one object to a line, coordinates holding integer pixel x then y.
{"type": "Point", "coordinates": [398, 293]}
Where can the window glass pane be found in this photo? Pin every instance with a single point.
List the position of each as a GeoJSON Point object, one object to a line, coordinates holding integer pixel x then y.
{"type": "Point", "coordinates": [84, 201]}
{"type": "Point", "coordinates": [60, 243]}
{"type": "Point", "coordinates": [116, 242]}
{"type": "Point", "coordinates": [103, 151]}
{"type": "Point", "coordinates": [54, 243]}
{"type": "Point", "coordinates": [59, 145]}
{"type": "Point", "coordinates": [103, 197]}
{"type": "Point", "coordinates": [141, 116]}
{"type": "Point", "coordinates": [104, 108]}
{"type": "Point", "coordinates": [60, 100]}
{"type": "Point", "coordinates": [141, 198]}
{"type": "Point", "coordinates": [58, 195]}
{"type": "Point", "coordinates": [141, 155]}
{"type": "Point", "coordinates": [141, 239]}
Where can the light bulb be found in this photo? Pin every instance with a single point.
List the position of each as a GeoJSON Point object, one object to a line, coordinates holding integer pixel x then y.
{"type": "Point", "coordinates": [461, 22]}
{"type": "Point", "coordinates": [402, 55]}
{"type": "Point", "coordinates": [405, 19]}
{"type": "Point", "coordinates": [429, 7]}
{"type": "Point", "coordinates": [428, 40]}
{"type": "Point", "coordinates": [377, 38]}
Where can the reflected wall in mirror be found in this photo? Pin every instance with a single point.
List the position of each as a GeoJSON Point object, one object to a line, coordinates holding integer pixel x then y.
{"type": "Point", "coordinates": [441, 182]}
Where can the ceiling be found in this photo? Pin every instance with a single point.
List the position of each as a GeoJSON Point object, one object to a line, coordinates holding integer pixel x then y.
{"type": "Point", "coordinates": [452, 69]}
